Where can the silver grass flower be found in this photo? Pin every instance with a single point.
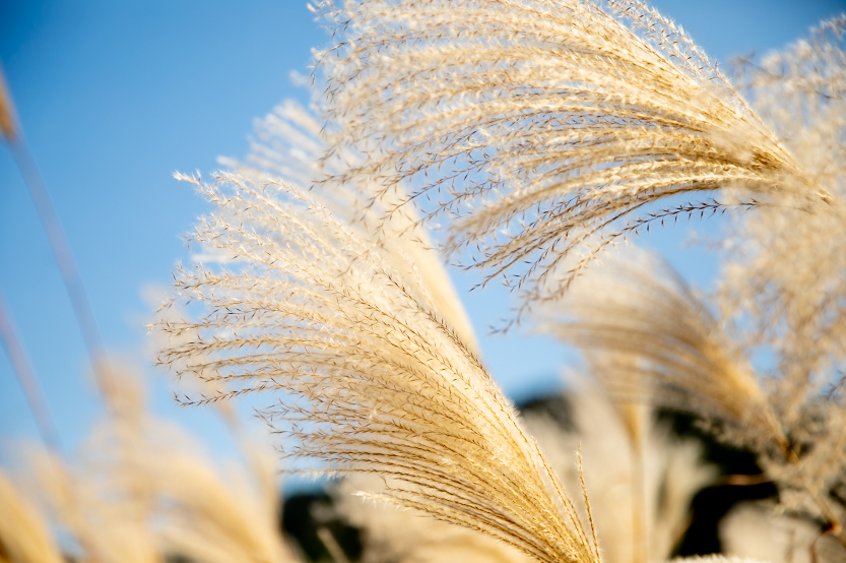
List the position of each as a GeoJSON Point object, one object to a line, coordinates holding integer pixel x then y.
{"type": "Point", "coordinates": [650, 338]}
{"type": "Point", "coordinates": [785, 281]}
{"type": "Point", "coordinates": [786, 277]}
{"type": "Point", "coordinates": [545, 127]}
{"type": "Point", "coordinates": [288, 145]}
{"type": "Point", "coordinates": [762, 532]}
{"type": "Point", "coordinates": [546, 132]}
{"type": "Point", "coordinates": [390, 534]}
{"type": "Point", "coordinates": [641, 509]}
{"type": "Point", "coordinates": [24, 534]}
{"type": "Point", "coordinates": [375, 382]}
{"type": "Point", "coordinates": [640, 485]}
{"type": "Point", "coordinates": [142, 490]}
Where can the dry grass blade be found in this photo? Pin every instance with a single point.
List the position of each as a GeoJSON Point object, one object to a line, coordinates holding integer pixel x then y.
{"type": "Point", "coordinates": [546, 126]}
{"type": "Point", "coordinates": [376, 383]}
{"type": "Point", "coordinates": [29, 383]}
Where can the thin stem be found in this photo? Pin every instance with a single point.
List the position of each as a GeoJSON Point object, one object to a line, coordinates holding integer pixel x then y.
{"type": "Point", "coordinates": [640, 547]}
{"type": "Point", "coordinates": [59, 246]}
{"type": "Point", "coordinates": [28, 381]}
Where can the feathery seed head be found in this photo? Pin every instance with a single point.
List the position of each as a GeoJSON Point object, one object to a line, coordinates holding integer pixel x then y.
{"type": "Point", "coordinates": [560, 122]}
{"type": "Point", "coordinates": [378, 383]}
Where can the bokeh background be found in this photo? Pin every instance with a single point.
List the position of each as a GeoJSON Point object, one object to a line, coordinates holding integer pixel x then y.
{"type": "Point", "coordinates": [114, 95]}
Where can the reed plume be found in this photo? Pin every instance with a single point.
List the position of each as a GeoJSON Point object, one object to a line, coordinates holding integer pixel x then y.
{"type": "Point", "coordinates": [390, 534]}
{"type": "Point", "coordinates": [659, 342]}
{"type": "Point", "coordinates": [785, 279]}
{"type": "Point", "coordinates": [763, 532]}
{"type": "Point", "coordinates": [24, 535]}
{"type": "Point", "coordinates": [141, 490]}
{"type": "Point", "coordinates": [288, 144]}
{"type": "Point", "coordinates": [654, 340]}
{"type": "Point", "coordinates": [375, 382]}
{"type": "Point", "coordinates": [543, 128]}
{"type": "Point", "coordinates": [544, 133]}
{"type": "Point", "coordinates": [640, 486]}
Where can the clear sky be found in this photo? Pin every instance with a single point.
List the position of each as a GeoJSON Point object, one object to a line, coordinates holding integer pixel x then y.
{"type": "Point", "coordinates": [115, 95]}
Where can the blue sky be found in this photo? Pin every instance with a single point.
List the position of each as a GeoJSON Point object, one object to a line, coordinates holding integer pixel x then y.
{"type": "Point", "coordinates": [113, 96]}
